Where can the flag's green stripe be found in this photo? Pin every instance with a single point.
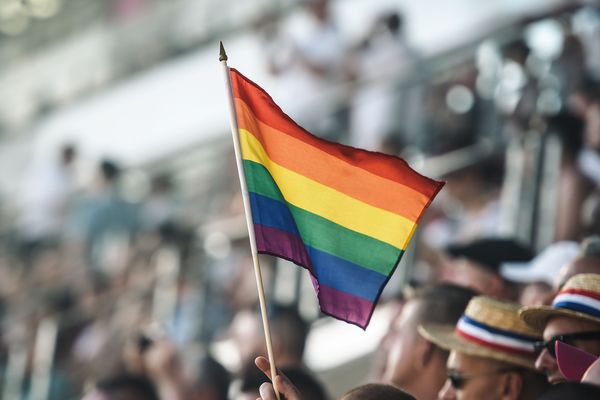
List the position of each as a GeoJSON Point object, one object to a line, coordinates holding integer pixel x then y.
{"type": "Point", "coordinates": [323, 234]}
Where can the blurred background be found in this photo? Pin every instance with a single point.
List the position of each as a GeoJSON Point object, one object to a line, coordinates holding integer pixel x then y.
{"type": "Point", "coordinates": [120, 213]}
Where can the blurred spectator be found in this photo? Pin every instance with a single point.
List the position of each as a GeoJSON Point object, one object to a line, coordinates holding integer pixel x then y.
{"type": "Point", "coordinates": [470, 200]}
{"type": "Point", "coordinates": [572, 390]}
{"type": "Point", "coordinates": [44, 201]}
{"type": "Point", "coordinates": [309, 387]}
{"type": "Point", "coordinates": [536, 294]}
{"type": "Point", "coordinates": [307, 64]}
{"type": "Point", "coordinates": [414, 363]}
{"type": "Point", "coordinates": [289, 336]}
{"type": "Point", "coordinates": [589, 158]}
{"type": "Point", "coordinates": [121, 387]}
{"type": "Point", "coordinates": [103, 218]}
{"type": "Point", "coordinates": [545, 266]}
{"type": "Point", "coordinates": [377, 64]}
{"type": "Point", "coordinates": [573, 187]}
{"type": "Point", "coordinates": [211, 382]}
{"type": "Point", "coordinates": [540, 274]}
{"type": "Point", "coordinates": [476, 265]}
{"type": "Point", "coordinates": [160, 207]}
{"type": "Point", "coordinates": [591, 216]}
{"type": "Point", "coordinates": [374, 391]}
{"type": "Point", "coordinates": [381, 354]}
{"type": "Point", "coordinates": [587, 262]}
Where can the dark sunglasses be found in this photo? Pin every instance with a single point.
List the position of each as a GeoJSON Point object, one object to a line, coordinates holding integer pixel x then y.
{"type": "Point", "coordinates": [568, 338]}
{"type": "Point", "coordinates": [458, 380]}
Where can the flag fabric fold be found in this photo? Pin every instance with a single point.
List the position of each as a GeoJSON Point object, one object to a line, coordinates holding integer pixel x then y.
{"type": "Point", "coordinates": [345, 214]}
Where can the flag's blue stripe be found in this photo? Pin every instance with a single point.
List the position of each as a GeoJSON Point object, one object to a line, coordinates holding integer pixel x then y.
{"type": "Point", "coordinates": [329, 269]}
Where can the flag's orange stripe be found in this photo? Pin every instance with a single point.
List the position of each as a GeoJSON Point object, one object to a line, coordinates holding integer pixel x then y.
{"type": "Point", "coordinates": [322, 167]}
{"type": "Point", "coordinates": [383, 165]}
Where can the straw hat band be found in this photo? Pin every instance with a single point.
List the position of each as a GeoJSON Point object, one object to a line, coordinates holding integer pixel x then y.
{"type": "Point", "coordinates": [495, 338]}
{"type": "Point", "coordinates": [578, 300]}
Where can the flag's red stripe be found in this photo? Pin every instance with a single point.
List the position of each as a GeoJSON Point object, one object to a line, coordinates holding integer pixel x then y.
{"type": "Point", "coordinates": [383, 165]}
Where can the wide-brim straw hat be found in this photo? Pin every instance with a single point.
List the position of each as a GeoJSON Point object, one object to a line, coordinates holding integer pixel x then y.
{"type": "Point", "coordinates": [490, 329]}
{"type": "Point", "coordinates": [579, 298]}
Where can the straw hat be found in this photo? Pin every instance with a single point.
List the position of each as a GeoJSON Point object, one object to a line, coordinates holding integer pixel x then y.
{"type": "Point", "coordinates": [489, 329]}
{"type": "Point", "coordinates": [579, 298]}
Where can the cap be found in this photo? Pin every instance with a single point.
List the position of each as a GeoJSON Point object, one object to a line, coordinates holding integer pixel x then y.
{"type": "Point", "coordinates": [491, 253]}
{"type": "Point", "coordinates": [544, 267]}
{"type": "Point", "coordinates": [579, 299]}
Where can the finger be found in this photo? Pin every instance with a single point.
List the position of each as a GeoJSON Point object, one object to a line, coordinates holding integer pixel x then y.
{"type": "Point", "coordinates": [267, 392]}
{"type": "Point", "coordinates": [263, 364]}
{"type": "Point", "coordinates": [285, 387]}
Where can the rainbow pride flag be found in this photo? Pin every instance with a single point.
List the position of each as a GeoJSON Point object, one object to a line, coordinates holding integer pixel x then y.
{"type": "Point", "coordinates": [344, 214]}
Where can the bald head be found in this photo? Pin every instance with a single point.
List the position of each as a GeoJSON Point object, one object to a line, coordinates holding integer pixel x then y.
{"type": "Point", "coordinates": [586, 264]}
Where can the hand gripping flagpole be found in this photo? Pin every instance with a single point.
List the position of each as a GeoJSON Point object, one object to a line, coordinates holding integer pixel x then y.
{"type": "Point", "coordinates": [247, 211]}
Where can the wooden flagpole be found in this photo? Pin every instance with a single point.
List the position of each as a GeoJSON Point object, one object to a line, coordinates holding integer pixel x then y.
{"type": "Point", "coordinates": [247, 211]}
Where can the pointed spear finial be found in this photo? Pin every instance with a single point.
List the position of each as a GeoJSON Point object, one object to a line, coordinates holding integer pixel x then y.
{"type": "Point", "coordinates": [222, 54]}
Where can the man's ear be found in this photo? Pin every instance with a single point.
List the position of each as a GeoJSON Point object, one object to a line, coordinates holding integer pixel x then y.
{"type": "Point", "coordinates": [512, 385]}
{"type": "Point", "coordinates": [426, 352]}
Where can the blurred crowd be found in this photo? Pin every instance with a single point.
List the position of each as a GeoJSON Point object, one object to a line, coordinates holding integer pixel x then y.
{"type": "Point", "coordinates": [114, 297]}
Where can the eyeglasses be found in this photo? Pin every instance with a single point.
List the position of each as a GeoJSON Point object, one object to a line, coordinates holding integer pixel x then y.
{"type": "Point", "coordinates": [458, 380]}
{"type": "Point", "coordinates": [568, 338]}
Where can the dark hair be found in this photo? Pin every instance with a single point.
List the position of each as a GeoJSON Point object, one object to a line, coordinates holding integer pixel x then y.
{"type": "Point", "coordinates": [110, 170]}
{"type": "Point", "coordinates": [213, 374]}
{"type": "Point", "coordinates": [67, 153]}
{"type": "Point", "coordinates": [135, 386]}
{"type": "Point", "coordinates": [534, 384]}
{"type": "Point", "coordinates": [394, 22]}
{"type": "Point", "coordinates": [572, 390]}
{"type": "Point", "coordinates": [569, 128]}
{"type": "Point", "coordinates": [589, 88]}
{"type": "Point", "coordinates": [308, 386]}
{"type": "Point", "coordinates": [377, 391]}
{"type": "Point", "coordinates": [289, 328]}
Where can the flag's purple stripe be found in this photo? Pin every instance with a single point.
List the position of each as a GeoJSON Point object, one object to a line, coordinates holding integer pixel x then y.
{"type": "Point", "coordinates": [345, 306]}
{"type": "Point", "coordinates": [330, 270]}
{"type": "Point", "coordinates": [282, 244]}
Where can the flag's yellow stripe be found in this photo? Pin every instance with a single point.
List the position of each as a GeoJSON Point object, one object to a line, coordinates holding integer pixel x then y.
{"type": "Point", "coordinates": [328, 203]}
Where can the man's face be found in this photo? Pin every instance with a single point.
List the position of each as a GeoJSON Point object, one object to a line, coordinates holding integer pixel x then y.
{"type": "Point", "coordinates": [545, 363]}
{"type": "Point", "coordinates": [400, 369]}
{"type": "Point", "coordinates": [484, 381]}
{"type": "Point", "coordinates": [381, 355]}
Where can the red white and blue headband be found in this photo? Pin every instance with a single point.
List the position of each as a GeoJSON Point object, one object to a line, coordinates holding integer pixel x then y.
{"type": "Point", "coordinates": [495, 338]}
